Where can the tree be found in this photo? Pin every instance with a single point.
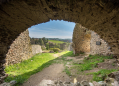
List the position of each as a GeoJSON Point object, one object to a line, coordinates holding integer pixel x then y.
{"type": "Point", "coordinates": [47, 40]}
{"type": "Point", "coordinates": [39, 41]}
{"type": "Point", "coordinates": [47, 46]}
{"type": "Point", "coordinates": [32, 40]}
{"type": "Point", "coordinates": [57, 46]}
{"type": "Point", "coordinates": [44, 40]}
{"type": "Point", "coordinates": [36, 41]}
{"type": "Point", "coordinates": [42, 43]}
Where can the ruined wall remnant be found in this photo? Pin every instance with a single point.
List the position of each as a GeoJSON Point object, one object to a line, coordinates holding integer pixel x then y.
{"type": "Point", "coordinates": [81, 39]}
{"type": "Point", "coordinates": [20, 49]}
{"type": "Point", "coordinates": [98, 45]}
{"type": "Point", "coordinates": [36, 49]}
{"type": "Point", "coordinates": [85, 40]}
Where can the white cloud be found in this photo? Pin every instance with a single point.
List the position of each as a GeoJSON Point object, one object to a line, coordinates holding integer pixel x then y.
{"type": "Point", "coordinates": [49, 31]}
{"type": "Point", "coordinates": [40, 35]}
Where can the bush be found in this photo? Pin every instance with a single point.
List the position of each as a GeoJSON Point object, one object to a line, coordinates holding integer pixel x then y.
{"type": "Point", "coordinates": [51, 48]}
{"type": "Point", "coordinates": [55, 49]}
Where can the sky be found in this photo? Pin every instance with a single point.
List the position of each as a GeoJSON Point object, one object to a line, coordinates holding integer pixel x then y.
{"type": "Point", "coordinates": [52, 29]}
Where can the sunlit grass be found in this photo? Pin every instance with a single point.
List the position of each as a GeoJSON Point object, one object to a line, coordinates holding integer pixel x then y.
{"type": "Point", "coordinates": [56, 41]}
{"type": "Point", "coordinates": [22, 71]}
{"type": "Point", "coordinates": [66, 54]}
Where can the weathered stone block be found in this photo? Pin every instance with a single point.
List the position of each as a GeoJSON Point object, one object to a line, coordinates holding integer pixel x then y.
{"type": "Point", "coordinates": [36, 49]}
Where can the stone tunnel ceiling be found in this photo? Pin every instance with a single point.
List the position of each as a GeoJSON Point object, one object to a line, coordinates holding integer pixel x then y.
{"type": "Point", "coordinates": [18, 15]}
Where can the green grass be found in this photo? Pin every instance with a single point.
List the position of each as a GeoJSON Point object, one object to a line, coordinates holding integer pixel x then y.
{"type": "Point", "coordinates": [77, 54]}
{"type": "Point", "coordinates": [64, 60]}
{"type": "Point", "coordinates": [101, 75]}
{"type": "Point", "coordinates": [22, 71]}
{"type": "Point", "coordinates": [64, 56]}
{"type": "Point", "coordinates": [67, 53]}
{"type": "Point", "coordinates": [67, 71]}
{"type": "Point", "coordinates": [55, 41]}
{"type": "Point", "coordinates": [90, 62]}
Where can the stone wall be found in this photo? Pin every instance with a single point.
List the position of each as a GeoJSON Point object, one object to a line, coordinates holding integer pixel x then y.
{"type": "Point", "coordinates": [101, 47]}
{"type": "Point", "coordinates": [20, 49]}
{"type": "Point", "coordinates": [81, 39]}
{"type": "Point", "coordinates": [64, 46]}
{"type": "Point", "coordinates": [70, 47]}
{"type": "Point", "coordinates": [85, 40]}
{"type": "Point", "coordinates": [36, 49]}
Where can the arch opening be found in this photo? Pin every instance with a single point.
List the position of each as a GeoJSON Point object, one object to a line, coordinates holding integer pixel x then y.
{"type": "Point", "coordinates": [40, 36]}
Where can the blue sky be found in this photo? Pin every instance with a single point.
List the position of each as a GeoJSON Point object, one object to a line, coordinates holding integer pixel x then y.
{"type": "Point", "coordinates": [52, 29]}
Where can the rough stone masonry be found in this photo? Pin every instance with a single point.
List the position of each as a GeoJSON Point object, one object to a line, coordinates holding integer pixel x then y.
{"type": "Point", "coordinates": [81, 39]}
{"type": "Point", "coordinates": [20, 49]}
{"type": "Point", "coordinates": [101, 16]}
{"type": "Point", "coordinates": [88, 41]}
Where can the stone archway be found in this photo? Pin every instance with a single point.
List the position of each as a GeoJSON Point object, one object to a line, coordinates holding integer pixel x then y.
{"type": "Point", "coordinates": [18, 15]}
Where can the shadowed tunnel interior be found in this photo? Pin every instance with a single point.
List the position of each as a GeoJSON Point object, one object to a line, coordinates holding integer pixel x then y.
{"type": "Point", "coordinates": [16, 16]}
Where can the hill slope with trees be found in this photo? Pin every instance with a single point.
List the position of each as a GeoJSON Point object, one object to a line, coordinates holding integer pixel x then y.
{"type": "Point", "coordinates": [51, 43]}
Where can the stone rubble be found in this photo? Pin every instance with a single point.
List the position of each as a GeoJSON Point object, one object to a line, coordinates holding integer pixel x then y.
{"type": "Point", "coordinates": [12, 83]}
{"type": "Point", "coordinates": [107, 82]}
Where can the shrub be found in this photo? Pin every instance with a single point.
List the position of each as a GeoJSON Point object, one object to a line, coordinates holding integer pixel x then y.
{"type": "Point", "coordinates": [51, 48]}
{"type": "Point", "coordinates": [55, 49]}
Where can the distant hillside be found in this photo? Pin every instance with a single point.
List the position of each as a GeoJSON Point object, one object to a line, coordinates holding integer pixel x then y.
{"type": "Point", "coordinates": [48, 44]}
{"type": "Point", "coordinates": [56, 41]}
{"type": "Point", "coordinates": [64, 40]}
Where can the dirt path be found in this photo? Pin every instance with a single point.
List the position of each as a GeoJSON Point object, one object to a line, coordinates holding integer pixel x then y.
{"type": "Point", "coordinates": [53, 72]}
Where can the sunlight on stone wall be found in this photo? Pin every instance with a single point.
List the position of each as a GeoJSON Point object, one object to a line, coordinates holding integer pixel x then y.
{"type": "Point", "coordinates": [20, 49]}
